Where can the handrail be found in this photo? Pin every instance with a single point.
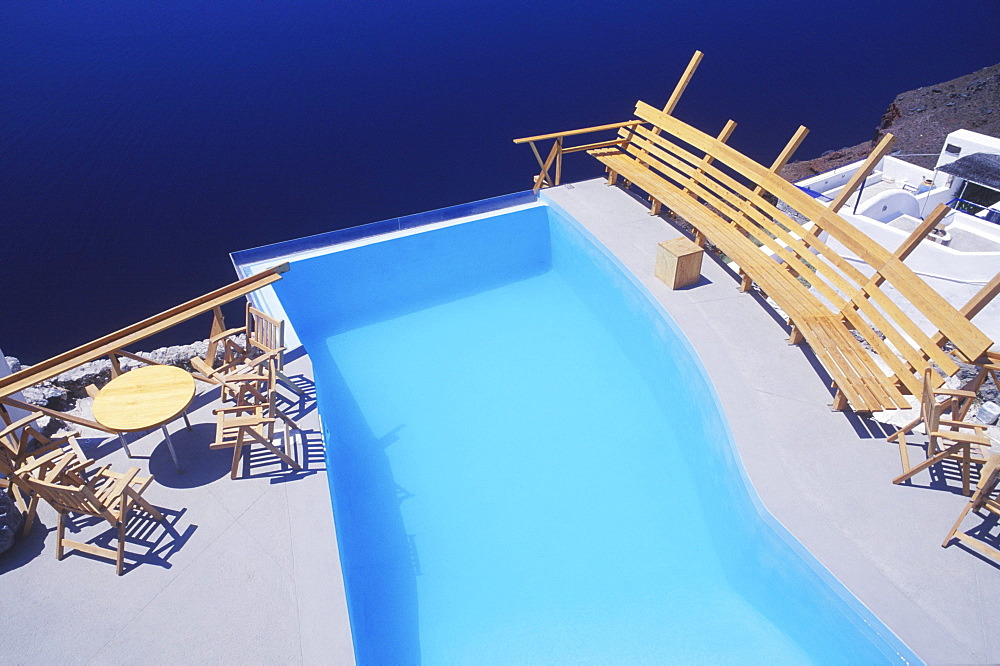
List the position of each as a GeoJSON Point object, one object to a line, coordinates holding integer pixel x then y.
{"type": "Point", "coordinates": [970, 203]}
{"type": "Point", "coordinates": [111, 344]}
{"type": "Point", "coordinates": [585, 130]}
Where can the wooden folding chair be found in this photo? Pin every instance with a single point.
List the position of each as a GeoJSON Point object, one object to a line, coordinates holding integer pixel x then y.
{"type": "Point", "coordinates": [983, 499]}
{"type": "Point", "coordinates": [264, 338]}
{"type": "Point", "coordinates": [108, 495]}
{"type": "Point", "coordinates": [966, 447]}
{"type": "Point", "coordinates": [23, 445]}
{"type": "Point", "coordinates": [252, 420]}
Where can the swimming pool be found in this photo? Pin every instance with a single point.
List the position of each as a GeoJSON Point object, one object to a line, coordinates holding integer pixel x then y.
{"type": "Point", "coordinates": [527, 464]}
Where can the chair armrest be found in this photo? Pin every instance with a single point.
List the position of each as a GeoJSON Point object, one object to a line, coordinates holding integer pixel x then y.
{"type": "Point", "coordinates": [965, 437]}
{"type": "Point", "coordinates": [227, 334]}
{"type": "Point", "coordinates": [236, 408]}
{"type": "Point", "coordinates": [962, 424]}
{"type": "Point", "coordinates": [199, 364]}
{"type": "Point", "coordinates": [20, 423]}
{"type": "Point", "coordinates": [955, 392]}
{"type": "Point", "coordinates": [585, 130]}
{"type": "Point", "coordinates": [248, 420]}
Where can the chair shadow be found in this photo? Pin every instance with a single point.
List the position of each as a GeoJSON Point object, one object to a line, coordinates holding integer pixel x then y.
{"type": "Point", "coordinates": [295, 405]}
{"type": "Point", "coordinates": [308, 449]}
{"type": "Point", "coordinates": [981, 532]}
{"type": "Point", "coordinates": [159, 540]}
{"type": "Point", "coordinates": [945, 476]}
{"type": "Point", "coordinates": [25, 548]}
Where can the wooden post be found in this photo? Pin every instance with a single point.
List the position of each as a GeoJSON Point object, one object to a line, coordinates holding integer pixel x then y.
{"type": "Point", "coordinates": [559, 156]}
{"type": "Point", "coordinates": [862, 173]}
{"type": "Point", "coordinates": [975, 305]}
{"type": "Point", "coordinates": [681, 86]}
{"type": "Point", "coordinates": [116, 368]}
{"type": "Point", "coordinates": [918, 234]}
{"type": "Point", "coordinates": [793, 144]}
{"type": "Point", "coordinates": [543, 177]}
{"type": "Point", "coordinates": [218, 326]}
{"type": "Point", "coordinates": [675, 96]}
{"type": "Point", "coordinates": [724, 135]}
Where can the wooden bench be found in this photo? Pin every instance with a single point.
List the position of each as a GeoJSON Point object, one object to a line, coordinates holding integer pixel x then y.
{"type": "Point", "coordinates": [873, 351]}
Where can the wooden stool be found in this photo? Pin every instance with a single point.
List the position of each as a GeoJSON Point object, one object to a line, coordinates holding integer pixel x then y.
{"type": "Point", "coordinates": [678, 263]}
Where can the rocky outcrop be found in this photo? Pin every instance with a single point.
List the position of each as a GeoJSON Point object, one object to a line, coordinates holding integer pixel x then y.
{"type": "Point", "coordinates": [62, 392]}
{"type": "Point", "coordinates": [11, 521]}
{"type": "Point", "coordinates": [920, 120]}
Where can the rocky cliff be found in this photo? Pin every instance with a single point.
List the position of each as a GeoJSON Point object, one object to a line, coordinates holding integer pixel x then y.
{"type": "Point", "coordinates": [920, 119]}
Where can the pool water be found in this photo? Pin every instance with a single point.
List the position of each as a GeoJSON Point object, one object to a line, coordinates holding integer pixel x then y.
{"type": "Point", "coordinates": [528, 466]}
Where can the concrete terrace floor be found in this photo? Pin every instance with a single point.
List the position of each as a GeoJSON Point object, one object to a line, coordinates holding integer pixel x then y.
{"type": "Point", "coordinates": [824, 475]}
{"type": "Point", "coordinates": [247, 571]}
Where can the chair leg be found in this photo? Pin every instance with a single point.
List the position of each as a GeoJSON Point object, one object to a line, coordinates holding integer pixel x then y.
{"type": "Point", "coordinates": [29, 517]}
{"type": "Point", "coordinates": [237, 456]}
{"type": "Point", "coordinates": [283, 378]}
{"type": "Point", "coordinates": [907, 428]}
{"type": "Point", "coordinates": [60, 533]}
{"type": "Point", "coordinates": [958, 523]}
{"type": "Point", "coordinates": [927, 463]}
{"type": "Point", "coordinates": [966, 469]}
{"type": "Point", "coordinates": [120, 555]}
{"type": "Point", "coordinates": [904, 454]}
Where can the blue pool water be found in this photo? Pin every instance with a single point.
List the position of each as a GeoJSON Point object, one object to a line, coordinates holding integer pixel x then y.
{"type": "Point", "coordinates": [528, 465]}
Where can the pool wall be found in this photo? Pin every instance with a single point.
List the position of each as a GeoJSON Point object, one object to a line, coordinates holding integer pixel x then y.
{"type": "Point", "coordinates": [547, 239]}
{"type": "Point", "coordinates": [724, 485]}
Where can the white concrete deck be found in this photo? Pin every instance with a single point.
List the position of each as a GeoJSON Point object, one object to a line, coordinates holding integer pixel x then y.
{"type": "Point", "coordinates": [249, 571]}
{"type": "Point", "coordinates": [246, 572]}
{"type": "Point", "coordinates": [824, 475]}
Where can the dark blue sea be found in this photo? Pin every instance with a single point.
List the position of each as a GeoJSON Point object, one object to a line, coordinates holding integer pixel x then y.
{"type": "Point", "coordinates": [142, 141]}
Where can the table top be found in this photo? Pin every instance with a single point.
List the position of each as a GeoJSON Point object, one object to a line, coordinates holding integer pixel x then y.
{"type": "Point", "coordinates": [144, 398]}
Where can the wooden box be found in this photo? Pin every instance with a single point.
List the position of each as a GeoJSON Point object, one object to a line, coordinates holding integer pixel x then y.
{"type": "Point", "coordinates": [678, 263]}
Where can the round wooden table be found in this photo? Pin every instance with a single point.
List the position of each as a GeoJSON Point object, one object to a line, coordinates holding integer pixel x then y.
{"type": "Point", "coordinates": [145, 398]}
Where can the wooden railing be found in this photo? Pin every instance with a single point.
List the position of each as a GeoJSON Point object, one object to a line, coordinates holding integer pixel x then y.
{"type": "Point", "coordinates": [113, 345]}
{"type": "Point", "coordinates": [543, 179]}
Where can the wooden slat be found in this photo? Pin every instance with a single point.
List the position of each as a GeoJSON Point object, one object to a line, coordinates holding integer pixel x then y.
{"type": "Point", "coordinates": [801, 245]}
{"type": "Point", "coordinates": [592, 146]}
{"type": "Point", "coordinates": [766, 208]}
{"type": "Point", "coordinates": [975, 305]}
{"type": "Point", "coordinates": [64, 416]}
{"type": "Point", "coordinates": [791, 295]}
{"type": "Point", "coordinates": [132, 334]}
{"type": "Point", "coordinates": [960, 331]}
{"type": "Point", "coordinates": [793, 144]}
{"type": "Point", "coordinates": [690, 183]}
{"type": "Point", "coordinates": [917, 235]}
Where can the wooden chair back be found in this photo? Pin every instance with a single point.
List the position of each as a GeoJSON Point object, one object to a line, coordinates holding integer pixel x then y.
{"type": "Point", "coordinates": [70, 497]}
{"type": "Point", "coordinates": [265, 334]}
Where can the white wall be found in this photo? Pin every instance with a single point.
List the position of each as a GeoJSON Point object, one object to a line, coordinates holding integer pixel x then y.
{"type": "Point", "coordinates": [968, 142]}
